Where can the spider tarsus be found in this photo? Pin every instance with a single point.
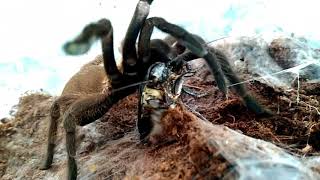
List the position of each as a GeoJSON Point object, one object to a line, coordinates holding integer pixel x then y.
{"type": "Point", "coordinates": [82, 43]}
{"type": "Point", "coordinates": [49, 157]}
{"type": "Point", "coordinates": [74, 49]}
{"type": "Point", "coordinates": [69, 125]}
{"type": "Point", "coordinates": [52, 133]}
{"type": "Point", "coordinates": [72, 169]}
{"type": "Point", "coordinates": [254, 106]}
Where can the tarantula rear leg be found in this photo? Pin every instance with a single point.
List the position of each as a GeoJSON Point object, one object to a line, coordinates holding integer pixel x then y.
{"type": "Point", "coordinates": [55, 111]}
{"type": "Point", "coordinates": [79, 45]}
{"type": "Point", "coordinates": [52, 133]}
{"type": "Point", "coordinates": [83, 112]}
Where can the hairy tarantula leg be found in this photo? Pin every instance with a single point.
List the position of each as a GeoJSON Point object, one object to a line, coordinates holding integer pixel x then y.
{"type": "Point", "coordinates": [239, 88]}
{"type": "Point", "coordinates": [109, 62]}
{"type": "Point", "coordinates": [188, 55]}
{"type": "Point", "coordinates": [52, 133]}
{"type": "Point", "coordinates": [69, 123]}
{"type": "Point", "coordinates": [193, 44]}
{"type": "Point", "coordinates": [92, 32]}
{"type": "Point", "coordinates": [129, 45]}
{"type": "Point", "coordinates": [197, 48]}
{"type": "Point", "coordinates": [249, 101]}
{"type": "Point", "coordinates": [83, 112]}
{"type": "Point", "coordinates": [157, 48]}
{"type": "Point", "coordinates": [144, 43]}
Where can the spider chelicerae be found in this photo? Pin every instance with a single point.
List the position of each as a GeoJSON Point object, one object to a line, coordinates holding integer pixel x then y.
{"type": "Point", "coordinates": [158, 66]}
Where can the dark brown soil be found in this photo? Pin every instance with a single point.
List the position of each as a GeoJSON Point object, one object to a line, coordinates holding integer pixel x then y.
{"type": "Point", "coordinates": [295, 113]}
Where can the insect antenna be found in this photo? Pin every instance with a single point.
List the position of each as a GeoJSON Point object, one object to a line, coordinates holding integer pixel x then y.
{"type": "Point", "coordinates": [209, 42]}
{"type": "Point", "coordinates": [130, 85]}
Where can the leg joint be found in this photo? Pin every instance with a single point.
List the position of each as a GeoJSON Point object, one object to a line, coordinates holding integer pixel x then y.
{"type": "Point", "coordinates": [69, 122]}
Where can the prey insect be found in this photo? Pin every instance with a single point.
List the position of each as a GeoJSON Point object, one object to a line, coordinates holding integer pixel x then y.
{"type": "Point", "coordinates": [161, 93]}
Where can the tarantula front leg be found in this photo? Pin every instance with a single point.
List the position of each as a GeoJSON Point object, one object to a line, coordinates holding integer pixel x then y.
{"type": "Point", "coordinates": [82, 43]}
{"type": "Point", "coordinates": [190, 42]}
{"type": "Point", "coordinates": [129, 46]}
{"type": "Point", "coordinates": [92, 107]}
{"type": "Point", "coordinates": [158, 49]}
{"type": "Point", "coordinates": [217, 62]}
{"type": "Point", "coordinates": [239, 88]}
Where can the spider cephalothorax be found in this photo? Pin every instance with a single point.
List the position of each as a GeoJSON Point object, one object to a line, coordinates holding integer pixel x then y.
{"type": "Point", "coordinates": [157, 65]}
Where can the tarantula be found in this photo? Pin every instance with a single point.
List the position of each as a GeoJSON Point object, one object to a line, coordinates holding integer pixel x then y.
{"type": "Point", "coordinates": [155, 64]}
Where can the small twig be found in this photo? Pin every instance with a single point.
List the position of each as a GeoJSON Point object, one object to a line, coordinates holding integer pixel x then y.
{"type": "Point", "coordinates": [234, 118]}
{"type": "Point", "coordinates": [311, 107]}
{"type": "Point", "coordinates": [278, 109]}
{"type": "Point", "coordinates": [218, 118]}
{"type": "Point", "coordinates": [196, 113]}
{"type": "Point", "coordinates": [275, 137]}
{"type": "Point", "coordinates": [298, 88]}
{"type": "Point", "coordinates": [192, 86]}
{"type": "Point", "coordinates": [192, 93]}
